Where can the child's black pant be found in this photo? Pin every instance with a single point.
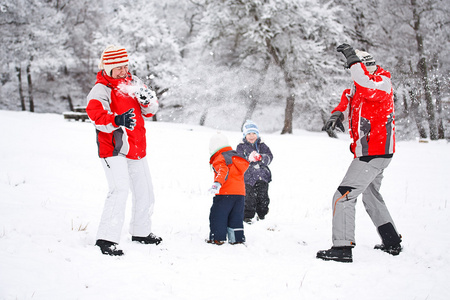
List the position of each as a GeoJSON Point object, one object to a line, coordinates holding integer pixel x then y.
{"type": "Point", "coordinates": [226, 217]}
{"type": "Point", "coordinates": [257, 199]}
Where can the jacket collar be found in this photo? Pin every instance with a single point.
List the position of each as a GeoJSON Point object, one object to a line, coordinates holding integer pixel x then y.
{"type": "Point", "coordinates": [225, 149]}
{"type": "Point", "coordinates": [104, 79]}
{"type": "Point", "coordinates": [257, 141]}
{"type": "Point", "coordinates": [382, 72]}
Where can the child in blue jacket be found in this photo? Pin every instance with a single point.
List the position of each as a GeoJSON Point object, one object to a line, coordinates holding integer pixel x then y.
{"type": "Point", "coordinates": [258, 175]}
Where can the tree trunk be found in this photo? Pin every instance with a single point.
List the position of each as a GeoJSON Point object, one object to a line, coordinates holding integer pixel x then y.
{"type": "Point", "coordinates": [431, 117]}
{"type": "Point", "coordinates": [203, 117]}
{"type": "Point", "coordinates": [405, 105]}
{"type": "Point", "coordinates": [416, 115]}
{"type": "Point", "coordinates": [251, 108]}
{"type": "Point", "coordinates": [289, 113]}
{"type": "Point", "coordinates": [254, 98]}
{"type": "Point", "coordinates": [290, 100]}
{"type": "Point", "coordinates": [30, 88]}
{"type": "Point", "coordinates": [70, 102]}
{"type": "Point", "coordinates": [440, 121]}
{"type": "Point", "coordinates": [21, 97]}
{"type": "Point", "coordinates": [423, 73]}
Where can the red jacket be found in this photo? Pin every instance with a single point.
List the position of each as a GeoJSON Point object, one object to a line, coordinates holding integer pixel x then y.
{"type": "Point", "coordinates": [105, 101]}
{"type": "Point", "coordinates": [229, 169]}
{"type": "Point", "coordinates": [370, 108]}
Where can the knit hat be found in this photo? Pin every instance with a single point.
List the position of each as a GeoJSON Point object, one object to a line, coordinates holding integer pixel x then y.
{"type": "Point", "coordinates": [250, 126]}
{"type": "Point", "coordinates": [217, 142]}
{"type": "Point", "coordinates": [367, 59]}
{"type": "Point", "coordinates": [113, 57]}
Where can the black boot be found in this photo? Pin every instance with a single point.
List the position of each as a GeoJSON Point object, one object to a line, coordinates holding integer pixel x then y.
{"type": "Point", "coordinates": [108, 248]}
{"type": "Point", "coordinates": [248, 220]}
{"type": "Point", "coordinates": [150, 239]}
{"type": "Point", "coordinates": [390, 238]}
{"type": "Point", "coordinates": [393, 250]}
{"type": "Point", "coordinates": [341, 254]}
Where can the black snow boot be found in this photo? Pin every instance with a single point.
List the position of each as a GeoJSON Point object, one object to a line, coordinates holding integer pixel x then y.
{"type": "Point", "coordinates": [341, 254]}
{"type": "Point", "coordinates": [150, 239]}
{"type": "Point", "coordinates": [393, 250]}
{"type": "Point", "coordinates": [108, 248]}
{"type": "Point", "coordinates": [390, 238]}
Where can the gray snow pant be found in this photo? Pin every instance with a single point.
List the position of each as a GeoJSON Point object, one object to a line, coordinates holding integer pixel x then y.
{"type": "Point", "coordinates": [361, 178]}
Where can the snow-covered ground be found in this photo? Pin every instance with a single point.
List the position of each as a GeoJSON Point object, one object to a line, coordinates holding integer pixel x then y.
{"type": "Point", "coordinates": [52, 189]}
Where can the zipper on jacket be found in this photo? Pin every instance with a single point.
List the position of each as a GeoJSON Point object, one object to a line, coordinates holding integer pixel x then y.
{"type": "Point", "coordinates": [106, 162]}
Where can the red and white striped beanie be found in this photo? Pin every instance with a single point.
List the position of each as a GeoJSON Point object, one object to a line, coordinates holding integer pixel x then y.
{"type": "Point", "coordinates": [113, 57]}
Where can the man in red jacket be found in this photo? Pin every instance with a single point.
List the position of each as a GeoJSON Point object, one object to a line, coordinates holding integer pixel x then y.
{"type": "Point", "coordinates": [369, 107]}
{"type": "Point", "coordinates": [117, 105]}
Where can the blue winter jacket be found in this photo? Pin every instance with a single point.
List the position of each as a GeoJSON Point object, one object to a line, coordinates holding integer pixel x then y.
{"type": "Point", "coordinates": [258, 170]}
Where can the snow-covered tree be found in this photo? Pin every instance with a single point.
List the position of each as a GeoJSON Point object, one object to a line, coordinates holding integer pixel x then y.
{"type": "Point", "coordinates": [41, 38]}
{"type": "Point", "coordinates": [410, 38]}
{"type": "Point", "coordinates": [421, 36]}
{"type": "Point", "coordinates": [218, 63]}
{"type": "Point", "coordinates": [296, 36]}
{"type": "Point", "coordinates": [154, 51]}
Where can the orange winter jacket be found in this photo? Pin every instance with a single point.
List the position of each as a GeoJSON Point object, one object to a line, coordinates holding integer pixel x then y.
{"type": "Point", "coordinates": [229, 169]}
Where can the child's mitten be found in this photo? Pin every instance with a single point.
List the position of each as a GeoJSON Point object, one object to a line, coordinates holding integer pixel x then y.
{"type": "Point", "coordinates": [215, 188]}
{"type": "Point", "coordinates": [254, 156]}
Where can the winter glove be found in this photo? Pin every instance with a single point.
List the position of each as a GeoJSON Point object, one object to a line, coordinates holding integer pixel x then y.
{"type": "Point", "coordinates": [349, 54]}
{"type": "Point", "coordinates": [126, 119]}
{"type": "Point", "coordinates": [153, 107]}
{"type": "Point", "coordinates": [145, 96]}
{"type": "Point", "coordinates": [335, 120]}
{"type": "Point", "coordinates": [215, 188]}
{"type": "Point", "coordinates": [254, 156]}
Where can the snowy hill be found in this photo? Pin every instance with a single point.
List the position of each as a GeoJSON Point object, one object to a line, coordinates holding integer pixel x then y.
{"type": "Point", "coordinates": [52, 190]}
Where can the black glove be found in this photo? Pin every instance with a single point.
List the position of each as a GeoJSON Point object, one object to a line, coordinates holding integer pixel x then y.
{"type": "Point", "coordinates": [335, 120]}
{"type": "Point", "coordinates": [349, 54]}
{"type": "Point", "coordinates": [126, 119]}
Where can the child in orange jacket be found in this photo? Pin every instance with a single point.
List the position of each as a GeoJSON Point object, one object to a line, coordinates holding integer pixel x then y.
{"type": "Point", "coordinates": [227, 212]}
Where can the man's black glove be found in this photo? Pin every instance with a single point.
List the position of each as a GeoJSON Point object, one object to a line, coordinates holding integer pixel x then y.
{"type": "Point", "coordinates": [126, 119]}
{"type": "Point", "coordinates": [349, 54]}
{"type": "Point", "coordinates": [335, 120]}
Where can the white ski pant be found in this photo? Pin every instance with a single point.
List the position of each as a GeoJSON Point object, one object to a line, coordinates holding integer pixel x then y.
{"type": "Point", "coordinates": [122, 175]}
{"type": "Point", "coordinates": [361, 178]}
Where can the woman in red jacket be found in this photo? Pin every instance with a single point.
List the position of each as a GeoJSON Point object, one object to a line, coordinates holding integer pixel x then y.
{"type": "Point", "coordinates": [117, 105]}
{"type": "Point", "coordinates": [369, 106]}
